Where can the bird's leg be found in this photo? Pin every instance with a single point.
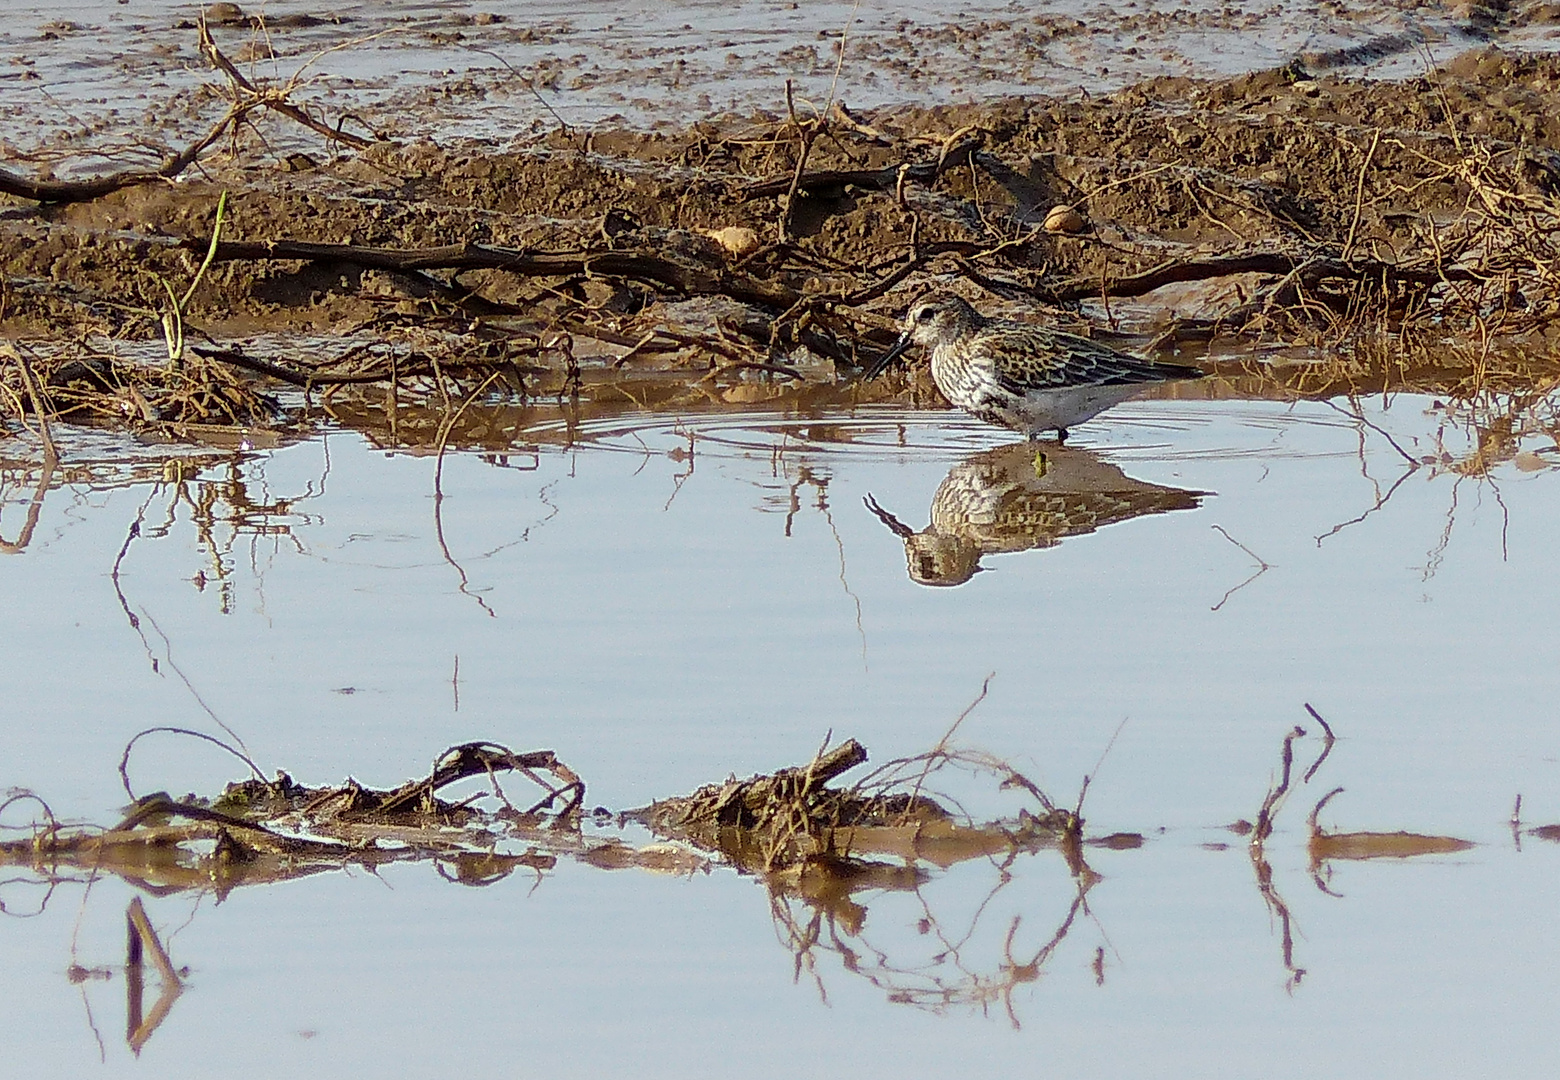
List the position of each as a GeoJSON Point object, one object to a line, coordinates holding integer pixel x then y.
{"type": "Point", "coordinates": [1042, 466]}
{"type": "Point", "coordinates": [1061, 435]}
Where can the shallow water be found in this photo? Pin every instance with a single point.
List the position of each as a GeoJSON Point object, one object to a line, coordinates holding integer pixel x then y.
{"type": "Point", "coordinates": [666, 599]}
{"type": "Point", "coordinates": [669, 600]}
{"type": "Point", "coordinates": [91, 76]}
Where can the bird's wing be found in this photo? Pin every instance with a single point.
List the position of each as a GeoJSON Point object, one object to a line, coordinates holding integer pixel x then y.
{"type": "Point", "coordinates": [1033, 357]}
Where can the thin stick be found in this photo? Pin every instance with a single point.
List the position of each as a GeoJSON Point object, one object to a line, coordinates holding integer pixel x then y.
{"type": "Point", "coordinates": [1359, 195]}
{"type": "Point", "coordinates": [807, 134]}
{"type": "Point", "coordinates": [1264, 826]}
{"type": "Point", "coordinates": [942, 743]}
{"type": "Point", "coordinates": [840, 63]}
{"type": "Point", "coordinates": [34, 510]}
{"type": "Point", "coordinates": [1262, 567]}
{"type": "Point", "coordinates": [50, 455]}
{"type": "Point", "coordinates": [124, 759]}
{"type": "Point", "coordinates": [438, 493]}
{"type": "Point", "coordinates": [143, 925]}
{"type": "Point", "coordinates": [1084, 790]}
{"type": "Point", "coordinates": [139, 1029]}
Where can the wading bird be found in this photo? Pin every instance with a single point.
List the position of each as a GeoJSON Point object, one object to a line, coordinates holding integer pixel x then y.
{"type": "Point", "coordinates": [1028, 378]}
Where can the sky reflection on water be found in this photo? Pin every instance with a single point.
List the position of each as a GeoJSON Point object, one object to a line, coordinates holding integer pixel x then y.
{"type": "Point", "coordinates": [662, 620]}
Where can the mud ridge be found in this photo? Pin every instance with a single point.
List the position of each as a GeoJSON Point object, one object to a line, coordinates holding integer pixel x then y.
{"type": "Point", "coordinates": [1388, 231]}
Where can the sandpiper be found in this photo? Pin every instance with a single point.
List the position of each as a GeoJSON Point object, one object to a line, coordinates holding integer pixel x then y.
{"type": "Point", "coordinates": [1029, 378]}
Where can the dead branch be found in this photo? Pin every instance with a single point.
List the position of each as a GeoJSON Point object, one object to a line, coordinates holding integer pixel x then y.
{"type": "Point", "coordinates": [124, 759]}
{"type": "Point", "coordinates": [1311, 268]}
{"type": "Point", "coordinates": [70, 191]}
{"type": "Point", "coordinates": [1328, 739]}
{"type": "Point", "coordinates": [273, 99]}
{"type": "Point", "coordinates": [482, 759]}
{"type": "Point", "coordinates": [675, 274]}
{"type": "Point", "coordinates": [245, 98]}
{"type": "Point", "coordinates": [292, 377]}
{"type": "Point", "coordinates": [141, 937]}
{"type": "Point", "coordinates": [1275, 795]}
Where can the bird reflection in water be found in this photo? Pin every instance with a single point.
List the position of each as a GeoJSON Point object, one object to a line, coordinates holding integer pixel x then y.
{"type": "Point", "coordinates": [1015, 498]}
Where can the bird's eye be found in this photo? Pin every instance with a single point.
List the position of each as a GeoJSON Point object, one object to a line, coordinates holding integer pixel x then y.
{"type": "Point", "coordinates": [925, 314]}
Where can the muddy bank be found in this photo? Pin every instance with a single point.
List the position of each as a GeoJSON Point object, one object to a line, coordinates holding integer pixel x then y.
{"type": "Point", "coordinates": [1362, 233]}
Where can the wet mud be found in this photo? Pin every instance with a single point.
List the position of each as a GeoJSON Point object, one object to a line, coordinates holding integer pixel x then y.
{"type": "Point", "coordinates": [1296, 232]}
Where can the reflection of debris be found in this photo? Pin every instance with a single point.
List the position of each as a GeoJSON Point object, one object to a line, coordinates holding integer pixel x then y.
{"type": "Point", "coordinates": [819, 848]}
{"type": "Point", "coordinates": [1324, 847]}
{"type": "Point", "coordinates": [1260, 832]}
{"type": "Point", "coordinates": [952, 976]}
{"type": "Point", "coordinates": [1262, 567]}
{"type": "Point", "coordinates": [141, 938]}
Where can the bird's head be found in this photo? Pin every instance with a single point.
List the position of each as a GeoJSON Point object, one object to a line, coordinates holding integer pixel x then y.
{"type": "Point", "coordinates": [929, 321]}
{"type": "Point", "coordinates": [939, 318]}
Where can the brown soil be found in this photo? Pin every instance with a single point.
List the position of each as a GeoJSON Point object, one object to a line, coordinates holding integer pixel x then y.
{"type": "Point", "coordinates": [1428, 206]}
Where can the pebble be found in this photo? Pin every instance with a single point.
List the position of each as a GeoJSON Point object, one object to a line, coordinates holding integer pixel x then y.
{"type": "Point", "coordinates": [1063, 219]}
{"type": "Point", "coordinates": [737, 239]}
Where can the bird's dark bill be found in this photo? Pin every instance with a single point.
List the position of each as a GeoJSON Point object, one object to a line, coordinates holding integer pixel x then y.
{"type": "Point", "coordinates": [889, 357]}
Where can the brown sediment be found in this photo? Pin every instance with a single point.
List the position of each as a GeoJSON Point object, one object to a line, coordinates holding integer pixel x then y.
{"type": "Point", "coordinates": [1326, 846]}
{"type": "Point", "coordinates": [1381, 845]}
{"type": "Point", "coordinates": [1367, 233]}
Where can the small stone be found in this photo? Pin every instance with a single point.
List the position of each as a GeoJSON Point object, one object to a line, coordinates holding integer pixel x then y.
{"type": "Point", "coordinates": [737, 239]}
{"type": "Point", "coordinates": [1063, 219]}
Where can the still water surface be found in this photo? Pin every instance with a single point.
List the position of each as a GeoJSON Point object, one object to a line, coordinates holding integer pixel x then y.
{"type": "Point", "coordinates": [667, 601]}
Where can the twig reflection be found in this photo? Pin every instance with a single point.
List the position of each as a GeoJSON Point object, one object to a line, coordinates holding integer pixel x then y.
{"type": "Point", "coordinates": [34, 509]}
{"type": "Point", "coordinates": [1262, 568]}
{"type": "Point", "coordinates": [141, 938]}
{"type": "Point", "coordinates": [1257, 849]}
{"type": "Point", "coordinates": [820, 915]}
